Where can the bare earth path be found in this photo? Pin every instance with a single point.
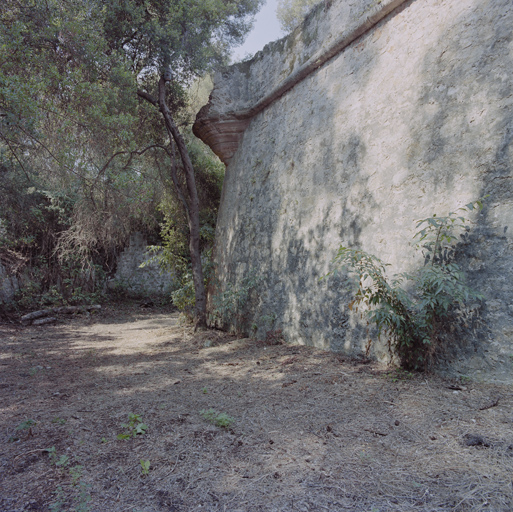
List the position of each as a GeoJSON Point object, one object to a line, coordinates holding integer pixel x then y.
{"type": "Point", "coordinates": [312, 431]}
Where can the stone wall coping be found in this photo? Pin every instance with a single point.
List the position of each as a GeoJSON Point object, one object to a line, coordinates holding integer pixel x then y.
{"type": "Point", "coordinates": [208, 125]}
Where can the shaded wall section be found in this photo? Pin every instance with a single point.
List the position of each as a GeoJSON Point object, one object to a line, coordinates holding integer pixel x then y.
{"type": "Point", "coordinates": [9, 285]}
{"type": "Point", "coordinates": [405, 110]}
{"type": "Point", "coordinates": [137, 274]}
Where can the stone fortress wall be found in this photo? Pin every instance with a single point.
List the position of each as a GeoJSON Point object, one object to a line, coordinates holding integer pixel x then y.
{"type": "Point", "coordinates": [148, 280]}
{"type": "Point", "coordinates": [372, 115]}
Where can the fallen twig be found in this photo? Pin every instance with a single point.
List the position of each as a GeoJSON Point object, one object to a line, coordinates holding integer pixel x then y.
{"type": "Point", "coordinates": [489, 406]}
{"type": "Point", "coordinates": [27, 453]}
{"type": "Point", "coordinates": [375, 432]}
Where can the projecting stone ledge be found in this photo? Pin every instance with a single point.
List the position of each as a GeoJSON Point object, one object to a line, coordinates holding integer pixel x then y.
{"type": "Point", "coordinates": [245, 89]}
{"type": "Point", "coordinates": [222, 135]}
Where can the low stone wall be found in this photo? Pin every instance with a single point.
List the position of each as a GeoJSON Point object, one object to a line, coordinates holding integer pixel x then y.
{"type": "Point", "coordinates": [130, 277]}
{"type": "Point", "coordinates": [372, 115]}
{"type": "Point", "coordinates": [9, 285]}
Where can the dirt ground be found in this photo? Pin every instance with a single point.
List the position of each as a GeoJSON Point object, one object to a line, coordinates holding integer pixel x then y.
{"type": "Point", "coordinates": [311, 430]}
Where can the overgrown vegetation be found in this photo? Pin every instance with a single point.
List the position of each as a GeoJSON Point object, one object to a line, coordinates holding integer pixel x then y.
{"type": "Point", "coordinates": [173, 254]}
{"type": "Point", "coordinates": [95, 138]}
{"type": "Point", "coordinates": [416, 310]}
{"type": "Point", "coordinates": [230, 306]}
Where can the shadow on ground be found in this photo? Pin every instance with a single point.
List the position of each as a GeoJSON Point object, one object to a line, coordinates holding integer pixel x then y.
{"type": "Point", "coordinates": [311, 430]}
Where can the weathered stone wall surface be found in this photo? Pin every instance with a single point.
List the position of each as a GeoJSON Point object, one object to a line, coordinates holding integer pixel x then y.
{"type": "Point", "coordinates": [149, 280]}
{"type": "Point", "coordinates": [409, 115]}
{"type": "Point", "coordinates": [9, 285]}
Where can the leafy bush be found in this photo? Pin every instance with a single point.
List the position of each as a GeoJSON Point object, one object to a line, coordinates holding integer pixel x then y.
{"type": "Point", "coordinates": [415, 309]}
{"type": "Point", "coordinates": [184, 298]}
{"type": "Point", "coordinates": [230, 305]}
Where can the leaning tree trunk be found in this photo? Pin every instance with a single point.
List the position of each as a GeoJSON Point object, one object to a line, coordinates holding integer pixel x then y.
{"type": "Point", "coordinates": [193, 217]}
{"type": "Point", "coordinates": [193, 209]}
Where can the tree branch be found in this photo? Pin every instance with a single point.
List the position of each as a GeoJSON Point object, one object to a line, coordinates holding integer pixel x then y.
{"type": "Point", "coordinates": [131, 155]}
{"type": "Point", "coordinates": [147, 97]}
{"type": "Point", "coordinates": [16, 157]}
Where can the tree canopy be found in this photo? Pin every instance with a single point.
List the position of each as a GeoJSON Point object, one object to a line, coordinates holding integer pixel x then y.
{"type": "Point", "coordinates": [84, 142]}
{"type": "Point", "coordinates": [291, 13]}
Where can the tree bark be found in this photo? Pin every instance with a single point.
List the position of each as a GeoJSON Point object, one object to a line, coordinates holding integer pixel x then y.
{"type": "Point", "coordinates": [200, 311]}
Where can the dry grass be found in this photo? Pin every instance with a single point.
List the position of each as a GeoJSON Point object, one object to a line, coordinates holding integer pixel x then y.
{"type": "Point", "coordinates": [313, 431]}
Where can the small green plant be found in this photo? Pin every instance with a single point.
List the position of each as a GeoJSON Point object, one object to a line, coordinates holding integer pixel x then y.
{"type": "Point", "coordinates": [62, 461]}
{"type": "Point", "coordinates": [26, 427]}
{"type": "Point", "coordinates": [399, 374]}
{"type": "Point", "coordinates": [52, 453]}
{"type": "Point", "coordinates": [204, 390]}
{"type": "Point", "coordinates": [415, 309]}
{"type": "Point", "coordinates": [76, 474]}
{"type": "Point", "coordinates": [59, 461]}
{"type": "Point", "coordinates": [83, 498]}
{"type": "Point", "coordinates": [78, 492]}
{"type": "Point", "coordinates": [145, 467]}
{"type": "Point", "coordinates": [60, 421]}
{"type": "Point", "coordinates": [60, 500]}
{"type": "Point", "coordinates": [183, 297]}
{"type": "Point", "coordinates": [134, 427]}
{"type": "Point", "coordinates": [229, 306]}
{"type": "Point", "coordinates": [36, 369]}
{"type": "Point", "coordinates": [219, 419]}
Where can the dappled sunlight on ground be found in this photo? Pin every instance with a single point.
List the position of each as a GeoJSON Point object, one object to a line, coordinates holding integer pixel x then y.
{"type": "Point", "coordinates": [311, 430]}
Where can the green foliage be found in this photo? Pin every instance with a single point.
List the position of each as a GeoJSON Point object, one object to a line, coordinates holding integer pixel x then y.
{"type": "Point", "coordinates": [84, 161]}
{"type": "Point", "coordinates": [230, 305]}
{"type": "Point", "coordinates": [134, 427]}
{"type": "Point", "coordinates": [173, 255]}
{"type": "Point", "coordinates": [72, 188]}
{"type": "Point", "coordinates": [291, 13]}
{"type": "Point", "coordinates": [145, 467]}
{"type": "Point", "coordinates": [415, 309]}
{"type": "Point", "coordinates": [25, 426]}
{"type": "Point", "coordinates": [76, 474]}
{"type": "Point", "coordinates": [183, 36]}
{"type": "Point", "coordinates": [184, 298]}
{"type": "Point", "coordinates": [399, 374]}
{"type": "Point", "coordinates": [219, 419]}
{"type": "Point", "coordinates": [60, 500]}
{"type": "Point", "coordinates": [78, 493]}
